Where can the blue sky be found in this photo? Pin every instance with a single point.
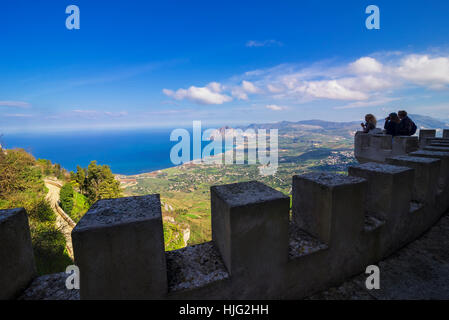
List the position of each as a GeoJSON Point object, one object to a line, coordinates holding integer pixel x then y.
{"type": "Point", "coordinates": [166, 63]}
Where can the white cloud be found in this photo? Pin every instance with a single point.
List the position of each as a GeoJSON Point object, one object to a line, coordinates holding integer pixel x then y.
{"type": "Point", "coordinates": [274, 88]}
{"type": "Point", "coordinates": [275, 107]}
{"type": "Point", "coordinates": [369, 103]}
{"type": "Point", "coordinates": [366, 79]}
{"type": "Point", "coordinates": [249, 87]}
{"type": "Point", "coordinates": [18, 115]}
{"type": "Point", "coordinates": [116, 114]}
{"type": "Point", "coordinates": [99, 113]}
{"type": "Point", "coordinates": [16, 104]}
{"type": "Point", "coordinates": [330, 89]}
{"type": "Point", "coordinates": [202, 95]}
{"type": "Point", "coordinates": [366, 65]}
{"type": "Point", "coordinates": [367, 83]}
{"type": "Point", "coordinates": [215, 87]}
{"type": "Point", "coordinates": [239, 93]}
{"type": "Point", "coordinates": [264, 43]}
{"type": "Point", "coordinates": [424, 70]}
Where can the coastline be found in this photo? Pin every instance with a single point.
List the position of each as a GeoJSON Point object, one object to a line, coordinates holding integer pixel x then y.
{"type": "Point", "coordinates": [131, 180]}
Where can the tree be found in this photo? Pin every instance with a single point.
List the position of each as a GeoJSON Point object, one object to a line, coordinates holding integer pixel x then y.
{"type": "Point", "coordinates": [80, 177]}
{"type": "Point", "coordinates": [66, 198]}
{"type": "Point", "coordinates": [18, 172]}
{"type": "Point", "coordinates": [46, 165]}
{"type": "Point", "coordinates": [100, 183]}
{"type": "Point", "coordinates": [73, 177]}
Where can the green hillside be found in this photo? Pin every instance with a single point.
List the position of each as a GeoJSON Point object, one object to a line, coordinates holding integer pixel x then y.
{"type": "Point", "coordinates": [22, 185]}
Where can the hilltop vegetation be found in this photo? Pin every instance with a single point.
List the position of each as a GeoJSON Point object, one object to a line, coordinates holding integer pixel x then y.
{"type": "Point", "coordinates": [96, 182]}
{"type": "Point", "coordinates": [86, 186]}
{"type": "Point", "coordinates": [22, 185]}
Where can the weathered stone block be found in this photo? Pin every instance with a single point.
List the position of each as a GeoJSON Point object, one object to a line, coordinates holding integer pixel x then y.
{"type": "Point", "coordinates": [446, 134]}
{"type": "Point", "coordinates": [328, 205]}
{"type": "Point", "coordinates": [426, 176]}
{"type": "Point", "coordinates": [381, 141]}
{"type": "Point", "coordinates": [378, 147]}
{"type": "Point", "coordinates": [444, 166]}
{"type": "Point", "coordinates": [119, 248]}
{"type": "Point", "coordinates": [425, 135]}
{"type": "Point", "coordinates": [362, 140]}
{"type": "Point", "coordinates": [250, 227]}
{"type": "Point", "coordinates": [403, 145]}
{"type": "Point", "coordinates": [389, 189]}
{"type": "Point", "coordinates": [372, 147]}
{"type": "Point", "coordinates": [17, 264]}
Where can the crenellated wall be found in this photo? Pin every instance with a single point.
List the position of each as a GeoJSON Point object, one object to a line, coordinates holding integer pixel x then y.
{"type": "Point", "coordinates": [339, 224]}
{"type": "Point", "coordinates": [378, 147]}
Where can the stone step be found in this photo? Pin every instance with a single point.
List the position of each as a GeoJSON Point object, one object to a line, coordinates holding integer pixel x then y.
{"type": "Point", "coordinates": [193, 267]}
{"type": "Point", "coordinates": [302, 244]}
{"type": "Point", "coordinates": [437, 148]}
{"type": "Point", "coordinates": [439, 144]}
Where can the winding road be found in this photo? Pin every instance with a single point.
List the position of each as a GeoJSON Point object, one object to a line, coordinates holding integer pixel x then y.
{"type": "Point", "coordinates": [63, 222]}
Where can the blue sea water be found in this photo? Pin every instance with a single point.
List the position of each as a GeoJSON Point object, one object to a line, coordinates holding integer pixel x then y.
{"type": "Point", "coordinates": [126, 152]}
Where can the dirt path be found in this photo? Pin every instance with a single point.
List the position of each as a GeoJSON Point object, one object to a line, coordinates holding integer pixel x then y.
{"type": "Point", "coordinates": [61, 223]}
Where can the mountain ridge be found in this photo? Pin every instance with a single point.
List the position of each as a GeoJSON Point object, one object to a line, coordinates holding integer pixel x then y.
{"type": "Point", "coordinates": [423, 122]}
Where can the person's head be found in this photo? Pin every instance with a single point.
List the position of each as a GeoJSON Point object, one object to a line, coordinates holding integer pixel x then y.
{"type": "Point", "coordinates": [402, 114]}
{"type": "Point", "coordinates": [393, 117]}
{"type": "Point", "coordinates": [369, 118]}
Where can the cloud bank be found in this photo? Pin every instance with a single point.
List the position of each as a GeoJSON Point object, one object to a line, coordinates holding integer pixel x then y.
{"type": "Point", "coordinates": [362, 82]}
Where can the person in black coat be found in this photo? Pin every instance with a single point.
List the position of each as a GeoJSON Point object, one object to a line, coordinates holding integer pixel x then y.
{"type": "Point", "coordinates": [406, 127]}
{"type": "Point", "coordinates": [392, 124]}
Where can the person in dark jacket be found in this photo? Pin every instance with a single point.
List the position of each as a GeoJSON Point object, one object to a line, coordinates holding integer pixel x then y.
{"type": "Point", "coordinates": [406, 127]}
{"type": "Point", "coordinates": [392, 124]}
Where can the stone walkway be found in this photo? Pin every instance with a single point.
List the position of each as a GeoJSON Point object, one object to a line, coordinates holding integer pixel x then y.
{"type": "Point", "coordinates": [61, 224]}
{"type": "Point", "coordinates": [418, 271]}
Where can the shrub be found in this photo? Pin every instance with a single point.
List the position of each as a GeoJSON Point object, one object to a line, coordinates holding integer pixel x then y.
{"type": "Point", "coordinates": [49, 248]}
{"type": "Point", "coordinates": [66, 198]}
{"type": "Point", "coordinates": [42, 212]}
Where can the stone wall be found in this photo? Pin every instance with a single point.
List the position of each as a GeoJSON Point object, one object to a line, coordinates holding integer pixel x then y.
{"type": "Point", "coordinates": [17, 265]}
{"type": "Point", "coordinates": [378, 147]}
{"type": "Point", "coordinates": [339, 224]}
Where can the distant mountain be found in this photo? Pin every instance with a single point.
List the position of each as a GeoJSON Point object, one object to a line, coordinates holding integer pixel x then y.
{"type": "Point", "coordinates": [425, 122]}
{"type": "Point", "coordinates": [305, 124]}
{"type": "Point", "coordinates": [310, 127]}
{"type": "Point", "coordinates": [342, 128]}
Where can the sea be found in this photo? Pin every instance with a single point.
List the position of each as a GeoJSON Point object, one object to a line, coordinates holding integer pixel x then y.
{"type": "Point", "coordinates": [126, 152]}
